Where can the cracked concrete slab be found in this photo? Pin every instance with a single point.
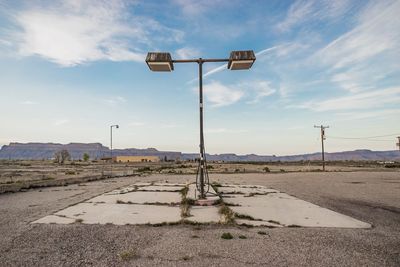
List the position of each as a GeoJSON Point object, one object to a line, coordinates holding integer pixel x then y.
{"type": "Point", "coordinates": [118, 214]}
{"type": "Point", "coordinates": [140, 197]}
{"type": "Point", "coordinates": [194, 194]}
{"type": "Point", "coordinates": [255, 205]}
{"type": "Point", "coordinates": [204, 214]}
{"type": "Point", "coordinates": [161, 188]}
{"type": "Point", "coordinates": [290, 211]}
{"type": "Point", "coordinates": [245, 190]}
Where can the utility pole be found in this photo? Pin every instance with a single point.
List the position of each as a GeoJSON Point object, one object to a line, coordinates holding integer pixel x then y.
{"type": "Point", "coordinates": [322, 143]}
{"type": "Point", "coordinates": [398, 144]}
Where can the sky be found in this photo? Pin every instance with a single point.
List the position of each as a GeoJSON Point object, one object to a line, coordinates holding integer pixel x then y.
{"type": "Point", "coordinates": [70, 69]}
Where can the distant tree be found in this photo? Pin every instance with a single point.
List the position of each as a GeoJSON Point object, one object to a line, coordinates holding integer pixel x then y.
{"type": "Point", "coordinates": [86, 157]}
{"type": "Point", "coordinates": [61, 156]}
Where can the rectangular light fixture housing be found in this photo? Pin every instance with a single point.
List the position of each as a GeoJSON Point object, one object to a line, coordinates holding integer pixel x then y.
{"type": "Point", "coordinates": [241, 60]}
{"type": "Point", "coordinates": [159, 61]}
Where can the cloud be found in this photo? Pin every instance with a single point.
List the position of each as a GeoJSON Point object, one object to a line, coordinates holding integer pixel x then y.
{"type": "Point", "coordinates": [261, 89]}
{"type": "Point", "coordinates": [302, 11]}
{"type": "Point", "coordinates": [195, 7]}
{"type": "Point", "coordinates": [220, 95]}
{"type": "Point", "coordinates": [225, 66]}
{"type": "Point", "coordinates": [349, 116]}
{"type": "Point", "coordinates": [75, 32]}
{"type": "Point", "coordinates": [187, 53]}
{"type": "Point", "coordinates": [376, 33]}
{"type": "Point", "coordinates": [297, 12]}
{"type": "Point", "coordinates": [365, 100]}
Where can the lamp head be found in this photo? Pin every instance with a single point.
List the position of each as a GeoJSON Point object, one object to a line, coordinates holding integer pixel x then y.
{"type": "Point", "coordinates": [159, 61]}
{"type": "Point", "coordinates": [241, 60]}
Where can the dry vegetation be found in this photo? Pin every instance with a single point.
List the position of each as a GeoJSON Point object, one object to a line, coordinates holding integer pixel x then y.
{"type": "Point", "coordinates": [17, 175]}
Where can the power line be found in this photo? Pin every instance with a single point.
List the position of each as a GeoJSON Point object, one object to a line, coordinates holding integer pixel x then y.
{"type": "Point", "coordinates": [366, 137]}
{"type": "Point", "coordinates": [359, 138]}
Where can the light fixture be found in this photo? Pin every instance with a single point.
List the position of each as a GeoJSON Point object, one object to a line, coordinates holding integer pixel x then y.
{"type": "Point", "coordinates": [238, 60]}
{"type": "Point", "coordinates": [241, 60]}
{"type": "Point", "coordinates": [159, 61]}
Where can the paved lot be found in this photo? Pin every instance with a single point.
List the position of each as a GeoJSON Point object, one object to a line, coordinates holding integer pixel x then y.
{"type": "Point", "coordinates": [370, 197]}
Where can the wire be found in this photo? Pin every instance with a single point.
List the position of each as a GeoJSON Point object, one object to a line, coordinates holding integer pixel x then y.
{"type": "Point", "coordinates": [358, 138]}
{"type": "Point", "coordinates": [366, 137]}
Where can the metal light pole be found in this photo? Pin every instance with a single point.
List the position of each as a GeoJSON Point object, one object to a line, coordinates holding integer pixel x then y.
{"type": "Point", "coordinates": [111, 153]}
{"type": "Point", "coordinates": [398, 144]}
{"type": "Point", "coordinates": [322, 142]}
{"type": "Point", "coordinates": [238, 60]}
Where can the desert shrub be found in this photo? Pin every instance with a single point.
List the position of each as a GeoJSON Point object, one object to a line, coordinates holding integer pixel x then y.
{"type": "Point", "coordinates": [86, 157]}
{"type": "Point", "coordinates": [227, 236]}
{"type": "Point", "coordinates": [144, 169]}
{"type": "Point", "coordinates": [266, 169]}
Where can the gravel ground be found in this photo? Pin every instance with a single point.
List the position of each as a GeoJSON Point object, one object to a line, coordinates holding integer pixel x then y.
{"type": "Point", "coordinates": [370, 197]}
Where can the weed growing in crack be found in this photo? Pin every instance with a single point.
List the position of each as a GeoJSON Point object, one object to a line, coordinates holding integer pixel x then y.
{"type": "Point", "coordinates": [227, 236]}
{"type": "Point", "coordinates": [227, 213]}
{"type": "Point", "coordinates": [128, 255]}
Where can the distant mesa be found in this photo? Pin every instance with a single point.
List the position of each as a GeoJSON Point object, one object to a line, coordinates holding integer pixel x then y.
{"type": "Point", "coordinates": [97, 151]}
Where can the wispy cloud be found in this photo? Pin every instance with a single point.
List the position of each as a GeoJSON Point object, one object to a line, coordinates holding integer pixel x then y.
{"type": "Point", "coordinates": [302, 11]}
{"type": "Point", "coordinates": [376, 33]}
{"type": "Point", "coordinates": [261, 90]}
{"type": "Point", "coordinates": [349, 116]}
{"type": "Point", "coordinates": [75, 32]}
{"type": "Point", "coordinates": [365, 100]}
{"type": "Point", "coordinates": [220, 95]}
{"type": "Point", "coordinates": [187, 52]}
{"type": "Point", "coordinates": [195, 7]}
{"type": "Point", "coordinates": [224, 66]}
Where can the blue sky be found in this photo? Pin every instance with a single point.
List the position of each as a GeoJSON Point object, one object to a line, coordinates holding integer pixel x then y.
{"type": "Point", "coordinates": [69, 69]}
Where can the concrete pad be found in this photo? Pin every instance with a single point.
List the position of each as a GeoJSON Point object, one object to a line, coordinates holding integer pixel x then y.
{"type": "Point", "coordinates": [119, 214]}
{"type": "Point", "coordinates": [211, 196]}
{"type": "Point", "coordinates": [204, 214]}
{"type": "Point", "coordinates": [169, 184]}
{"type": "Point", "coordinates": [290, 211]}
{"type": "Point", "coordinates": [268, 207]}
{"type": "Point", "coordinates": [55, 219]}
{"type": "Point", "coordinates": [139, 198]}
{"type": "Point", "coordinates": [245, 190]}
{"type": "Point", "coordinates": [160, 188]}
{"type": "Point", "coordinates": [256, 223]}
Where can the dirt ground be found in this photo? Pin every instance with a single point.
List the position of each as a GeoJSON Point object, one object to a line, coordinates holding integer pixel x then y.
{"type": "Point", "coordinates": [373, 197]}
{"type": "Point", "coordinates": [17, 175]}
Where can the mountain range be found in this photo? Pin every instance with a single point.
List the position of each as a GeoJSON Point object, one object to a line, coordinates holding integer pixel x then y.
{"type": "Point", "coordinates": [97, 150]}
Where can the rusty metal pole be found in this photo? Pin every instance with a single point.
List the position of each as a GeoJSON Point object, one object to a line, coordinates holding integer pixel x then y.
{"type": "Point", "coordinates": [202, 156]}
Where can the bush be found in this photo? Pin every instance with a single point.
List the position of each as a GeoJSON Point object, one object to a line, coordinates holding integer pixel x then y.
{"type": "Point", "coordinates": [144, 169]}
{"type": "Point", "coordinates": [86, 157]}
{"type": "Point", "coordinates": [266, 169]}
{"type": "Point", "coordinates": [226, 236]}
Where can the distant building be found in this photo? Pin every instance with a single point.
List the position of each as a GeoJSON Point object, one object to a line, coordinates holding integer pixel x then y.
{"type": "Point", "coordinates": [136, 159]}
